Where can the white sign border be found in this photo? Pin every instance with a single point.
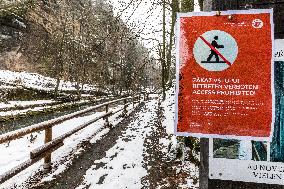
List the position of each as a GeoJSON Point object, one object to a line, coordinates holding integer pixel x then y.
{"type": "Point", "coordinates": [279, 46]}
{"type": "Point", "coordinates": [213, 13]}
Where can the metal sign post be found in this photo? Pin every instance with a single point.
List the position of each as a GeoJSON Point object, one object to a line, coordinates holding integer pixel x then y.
{"type": "Point", "coordinates": [204, 163]}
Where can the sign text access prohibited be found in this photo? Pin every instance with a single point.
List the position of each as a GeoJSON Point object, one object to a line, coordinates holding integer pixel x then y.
{"type": "Point", "coordinates": [225, 73]}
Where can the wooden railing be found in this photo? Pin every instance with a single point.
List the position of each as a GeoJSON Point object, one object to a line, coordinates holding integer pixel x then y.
{"type": "Point", "coordinates": [52, 144]}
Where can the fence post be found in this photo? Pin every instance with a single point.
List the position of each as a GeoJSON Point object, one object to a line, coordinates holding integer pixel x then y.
{"type": "Point", "coordinates": [47, 158]}
{"type": "Point", "coordinates": [125, 108]}
{"type": "Point", "coordinates": [106, 118]}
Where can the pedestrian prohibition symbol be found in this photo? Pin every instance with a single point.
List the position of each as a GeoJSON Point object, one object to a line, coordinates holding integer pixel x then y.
{"type": "Point", "coordinates": [215, 50]}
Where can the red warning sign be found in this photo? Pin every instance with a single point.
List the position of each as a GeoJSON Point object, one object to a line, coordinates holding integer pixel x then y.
{"type": "Point", "coordinates": [225, 74]}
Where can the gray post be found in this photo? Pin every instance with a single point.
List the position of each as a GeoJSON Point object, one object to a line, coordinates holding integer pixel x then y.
{"type": "Point", "coordinates": [106, 118]}
{"type": "Point", "coordinates": [125, 108]}
{"type": "Point", "coordinates": [47, 158]}
{"type": "Point", "coordinates": [204, 163]}
{"type": "Point", "coordinates": [204, 142]}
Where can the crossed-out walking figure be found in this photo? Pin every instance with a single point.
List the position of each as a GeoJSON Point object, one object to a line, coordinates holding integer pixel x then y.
{"type": "Point", "coordinates": [213, 53]}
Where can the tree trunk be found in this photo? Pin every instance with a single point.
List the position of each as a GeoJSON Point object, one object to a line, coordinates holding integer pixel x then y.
{"type": "Point", "coordinates": [163, 58]}
{"type": "Point", "coordinates": [59, 61]}
{"type": "Point", "coordinates": [56, 88]}
{"type": "Point", "coordinates": [175, 9]}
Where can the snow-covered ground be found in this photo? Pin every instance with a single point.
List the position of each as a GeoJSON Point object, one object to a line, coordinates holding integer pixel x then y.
{"type": "Point", "coordinates": [34, 80]}
{"type": "Point", "coordinates": [15, 152]}
{"type": "Point", "coordinates": [123, 162]}
{"type": "Point", "coordinates": [21, 112]}
{"type": "Point", "coordinates": [169, 123]}
{"type": "Point", "coordinates": [169, 111]}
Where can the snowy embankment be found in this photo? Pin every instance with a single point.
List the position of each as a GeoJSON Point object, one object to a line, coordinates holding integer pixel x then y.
{"type": "Point", "coordinates": [169, 118]}
{"type": "Point", "coordinates": [15, 104]}
{"type": "Point", "coordinates": [9, 79]}
{"type": "Point", "coordinates": [36, 81]}
{"type": "Point", "coordinates": [17, 151]}
{"type": "Point", "coordinates": [173, 144]}
{"type": "Point", "coordinates": [37, 106]}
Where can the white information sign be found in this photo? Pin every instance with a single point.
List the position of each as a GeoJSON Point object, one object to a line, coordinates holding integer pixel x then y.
{"type": "Point", "coordinates": [279, 50]}
{"type": "Point", "coordinates": [247, 171]}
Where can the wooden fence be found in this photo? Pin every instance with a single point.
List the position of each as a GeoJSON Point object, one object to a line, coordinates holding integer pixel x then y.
{"type": "Point", "coordinates": [52, 144]}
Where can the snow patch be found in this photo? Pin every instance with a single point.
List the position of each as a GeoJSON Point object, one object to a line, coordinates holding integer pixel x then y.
{"type": "Point", "coordinates": [24, 103]}
{"type": "Point", "coordinates": [34, 80]}
{"type": "Point", "coordinates": [99, 136]}
{"type": "Point", "coordinates": [169, 111]}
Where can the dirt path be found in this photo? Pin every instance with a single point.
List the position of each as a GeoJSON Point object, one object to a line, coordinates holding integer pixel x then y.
{"type": "Point", "coordinates": [163, 171]}
{"type": "Point", "coordinates": [74, 175]}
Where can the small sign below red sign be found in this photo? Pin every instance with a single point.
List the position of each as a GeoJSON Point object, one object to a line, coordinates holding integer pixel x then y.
{"type": "Point", "coordinates": [225, 74]}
